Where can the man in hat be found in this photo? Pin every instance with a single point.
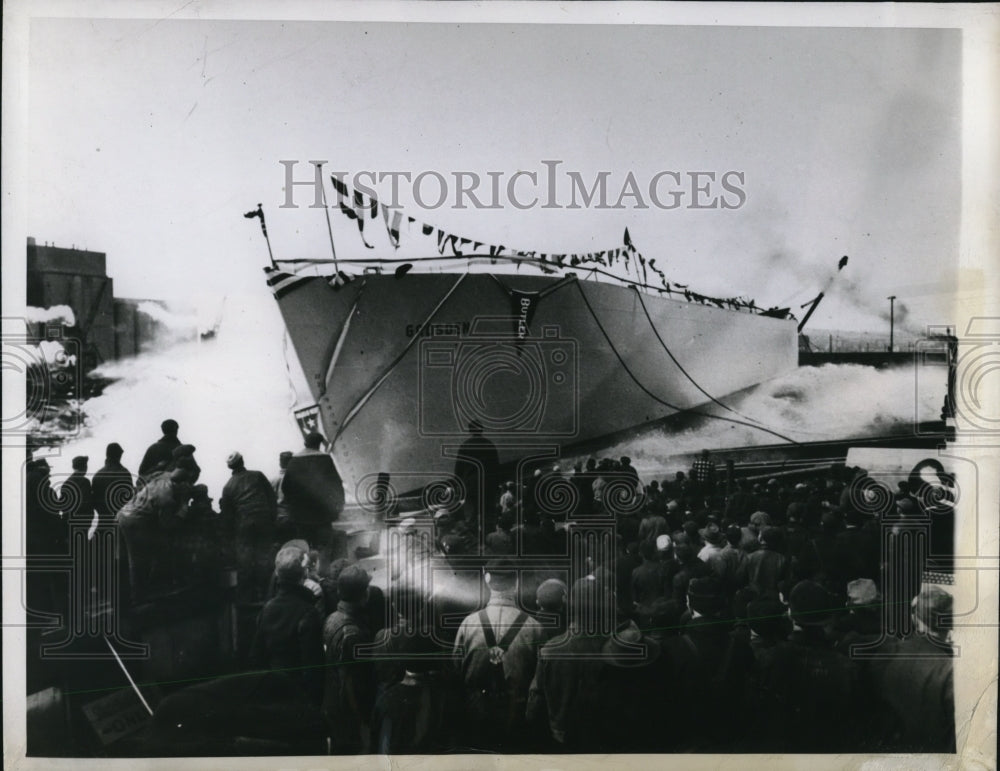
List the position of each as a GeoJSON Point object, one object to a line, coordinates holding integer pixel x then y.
{"type": "Point", "coordinates": [289, 635]}
{"type": "Point", "coordinates": [314, 493]}
{"type": "Point", "coordinates": [160, 453]}
{"type": "Point", "coordinates": [112, 485]}
{"type": "Point", "coordinates": [768, 570]}
{"type": "Point", "coordinates": [76, 494]}
{"type": "Point", "coordinates": [349, 691]}
{"type": "Point", "coordinates": [856, 550]}
{"type": "Point", "coordinates": [637, 708]}
{"type": "Point", "coordinates": [248, 511]}
{"type": "Point", "coordinates": [421, 711]}
{"type": "Point", "coordinates": [915, 678]}
{"type": "Point", "coordinates": [710, 665]}
{"type": "Point", "coordinates": [769, 628]}
{"type": "Point", "coordinates": [816, 683]}
{"type": "Point", "coordinates": [498, 649]}
{"type": "Point", "coordinates": [649, 584]}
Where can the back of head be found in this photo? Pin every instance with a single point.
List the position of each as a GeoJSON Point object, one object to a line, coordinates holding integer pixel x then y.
{"type": "Point", "coordinates": [551, 595]}
{"type": "Point", "coordinates": [772, 538]}
{"type": "Point", "coordinates": [183, 451]}
{"type": "Point", "coordinates": [314, 440]}
{"type": "Point", "coordinates": [811, 604]}
{"type": "Point", "coordinates": [420, 653]}
{"type": "Point", "coordinates": [501, 575]}
{"type": "Point", "coordinates": [706, 596]}
{"type": "Point", "coordinates": [114, 452]}
{"type": "Point", "coordinates": [288, 567]}
{"type": "Point", "coordinates": [647, 550]}
{"type": "Point", "coordinates": [760, 519]}
{"type": "Point", "coordinates": [352, 584]}
{"type": "Point", "coordinates": [768, 618]}
{"type": "Point", "coordinates": [169, 427]}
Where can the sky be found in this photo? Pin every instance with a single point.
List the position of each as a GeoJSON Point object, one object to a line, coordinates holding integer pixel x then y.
{"type": "Point", "coordinates": [149, 139]}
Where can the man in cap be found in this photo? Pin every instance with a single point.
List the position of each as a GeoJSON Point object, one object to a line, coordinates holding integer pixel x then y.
{"type": "Point", "coordinates": [314, 493]}
{"type": "Point", "coordinates": [653, 524]}
{"type": "Point", "coordinates": [498, 649]}
{"type": "Point", "coordinates": [751, 532]}
{"type": "Point", "coordinates": [628, 471]}
{"type": "Point", "coordinates": [565, 698]}
{"type": "Point", "coordinates": [112, 485]}
{"type": "Point", "coordinates": [349, 691]}
{"type": "Point", "coordinates": [289, 630]}
{"type": "Point", "coordinates": [719, 555]}
{"type": "Point", "coordinates": [688, 567]}
{"type": "Point", "coordinates": [160, 453]}
{"type": "Point", "coordinates": [501, 540]}
{"type": "Point", "coordinates": [551, 598]}
{"type": "Point", "coordinates": [248, 511]}
{"type": "Point", "coordinates": [915, 678]}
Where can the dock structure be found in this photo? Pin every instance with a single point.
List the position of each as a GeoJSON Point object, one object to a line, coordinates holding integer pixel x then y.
{"type": "Point", "coordinates": [107, 327]}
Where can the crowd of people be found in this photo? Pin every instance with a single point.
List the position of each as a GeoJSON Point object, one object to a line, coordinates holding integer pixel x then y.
{"type": "Point", "coordinates": [725, 615]}
{"type": "Point", "coordinates": [170, 534]}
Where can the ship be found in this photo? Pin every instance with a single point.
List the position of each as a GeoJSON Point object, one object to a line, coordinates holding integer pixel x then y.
{"type": "Point", "coordinates": [402, 364]}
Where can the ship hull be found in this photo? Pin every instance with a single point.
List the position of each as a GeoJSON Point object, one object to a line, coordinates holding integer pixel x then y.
{"type": "Point", "coordinates": [400, 366]}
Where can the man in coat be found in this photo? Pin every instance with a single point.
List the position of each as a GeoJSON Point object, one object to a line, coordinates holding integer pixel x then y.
{"type": "Point", "coordinates": [249, 510]}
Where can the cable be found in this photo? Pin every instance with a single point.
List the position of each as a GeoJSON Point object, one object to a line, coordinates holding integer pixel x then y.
{"type": "Point", "coordinates": [360, 403]}
{"type": "Point", "coordinates": [653, 396]}
{"type": "Point", "coordinates": [679, 366]}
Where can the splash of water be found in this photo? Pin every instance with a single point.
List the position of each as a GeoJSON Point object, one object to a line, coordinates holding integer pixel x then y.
{"type": "Point", "coordinates": [228, 393]}
{"type": "Point", "coordinates": [811, 404]}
